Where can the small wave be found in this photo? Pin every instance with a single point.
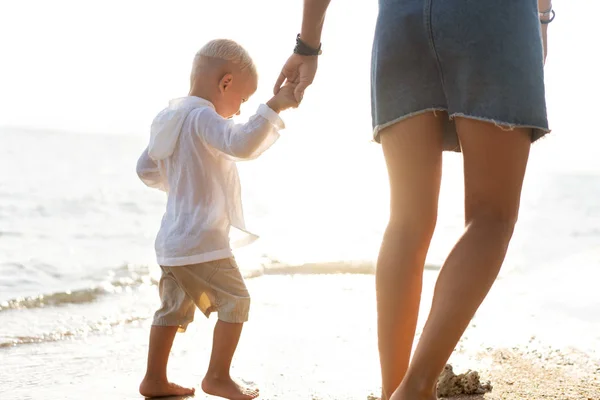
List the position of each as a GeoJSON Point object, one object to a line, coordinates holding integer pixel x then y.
{"type": "Point", "coordinates": [8, 233]}
{"type": "Point", "coordinates": [77, 296]}
{"type": "Point", "coordinates": [66, 335]}
{"type": "Point", "coordinates": [135, 280]}
{"type": "Point", "coordinates": [329, 268]}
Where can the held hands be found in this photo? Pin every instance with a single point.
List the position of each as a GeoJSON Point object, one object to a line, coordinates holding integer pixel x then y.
{"type": "Point", "coordinates": [299, 70]}
{"type": "Point", "coordinates": [284, 98]}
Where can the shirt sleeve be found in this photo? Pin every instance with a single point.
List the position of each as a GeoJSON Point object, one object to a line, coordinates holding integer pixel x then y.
{"type": "Point", "coordinates": [148, 172]}
{"type": "Point", "coordinates": [240, 141]}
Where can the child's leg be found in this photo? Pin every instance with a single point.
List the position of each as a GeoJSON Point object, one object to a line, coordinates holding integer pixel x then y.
{"type": "Point", "coordinates": [217, 381]}
{"type": "Point", "coordinates": [155, 382]}
{"type": "Point", "coordinates": [219, 285]}
{"type": "Point", "coordinates": [176, 311]}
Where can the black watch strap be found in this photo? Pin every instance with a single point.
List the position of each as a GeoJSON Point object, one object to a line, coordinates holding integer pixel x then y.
{"type": "Point", "coordinates": [305, 50]}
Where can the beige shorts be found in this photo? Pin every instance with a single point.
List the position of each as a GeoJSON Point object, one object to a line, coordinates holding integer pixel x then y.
{"type": "Point", "coordinates": [212, 286]}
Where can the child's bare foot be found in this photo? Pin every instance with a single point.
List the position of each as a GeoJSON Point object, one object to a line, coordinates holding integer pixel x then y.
{"type": "Point", "coordinates": [153, 388]}
{"type": "Point", "coordinates": [227, 388]}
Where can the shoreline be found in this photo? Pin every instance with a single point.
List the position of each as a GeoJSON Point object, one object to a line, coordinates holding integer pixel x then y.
{"type": "Point", "coordinates": [297, 346]}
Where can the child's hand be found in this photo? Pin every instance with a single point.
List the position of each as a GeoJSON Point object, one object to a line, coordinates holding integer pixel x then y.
{"type": "Point", "coordinates": [284, 99]}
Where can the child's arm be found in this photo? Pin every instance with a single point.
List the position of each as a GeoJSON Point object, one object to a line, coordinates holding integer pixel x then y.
{"type": "Point", "coordinates": [148, 172]}
{"type": "Point", "coordinates": [244, 141]}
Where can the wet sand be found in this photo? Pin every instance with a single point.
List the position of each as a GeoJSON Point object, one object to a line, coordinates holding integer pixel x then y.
{"type": "Point", "coordinates": [310, 337]}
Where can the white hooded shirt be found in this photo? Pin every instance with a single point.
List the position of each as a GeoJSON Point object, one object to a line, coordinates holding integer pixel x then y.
{"type": "Point", "coordinates": [191, 156]}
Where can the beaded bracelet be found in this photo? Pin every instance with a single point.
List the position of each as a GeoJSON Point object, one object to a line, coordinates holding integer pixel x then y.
{"type": "Point", "coordinates": [305, 50]}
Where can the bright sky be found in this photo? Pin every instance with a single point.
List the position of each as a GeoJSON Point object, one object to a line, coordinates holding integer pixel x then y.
{"type": "Point", "coordinates": [109, 66]}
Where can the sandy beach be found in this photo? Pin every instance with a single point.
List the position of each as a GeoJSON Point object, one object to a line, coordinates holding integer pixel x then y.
{"type": "Point", "coordinates": [77, 227]}
{"type": "Point", "coordinates": [310, 337]}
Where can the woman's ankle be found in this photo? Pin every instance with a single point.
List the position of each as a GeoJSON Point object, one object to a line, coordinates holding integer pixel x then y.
{"type": "Point", "coordinates": [152, 376]}
{"type": "Point", "coordinates": [217, 375]}
{"type": "Point", "coordinates": [416, 389]}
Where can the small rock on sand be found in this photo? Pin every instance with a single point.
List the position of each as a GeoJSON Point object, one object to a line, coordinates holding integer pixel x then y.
{"type": "Point", "coordinates": [450, 384]}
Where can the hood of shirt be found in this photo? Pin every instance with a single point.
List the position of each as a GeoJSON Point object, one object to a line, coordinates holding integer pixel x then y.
{"type": "Point", "coordinates": [166, 127]}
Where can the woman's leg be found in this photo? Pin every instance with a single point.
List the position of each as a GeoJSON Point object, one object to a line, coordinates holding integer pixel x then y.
{"type": "Point", "coordinates": [413, 153]}
{"type": "Point", "coordinates": [494, 166]}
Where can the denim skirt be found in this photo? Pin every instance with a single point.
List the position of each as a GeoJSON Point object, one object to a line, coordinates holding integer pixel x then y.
{"type": "Point", "coordinates": [479, 59]}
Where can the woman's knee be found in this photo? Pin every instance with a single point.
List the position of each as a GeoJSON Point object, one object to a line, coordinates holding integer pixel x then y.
{"type": "Point", "coordinates": [412, 227]}
{"type": "Point", "coordinates": [500, 222]}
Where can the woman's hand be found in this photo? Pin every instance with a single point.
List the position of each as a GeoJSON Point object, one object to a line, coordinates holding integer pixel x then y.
{"type": "Point", "coordinates": [298, 70]}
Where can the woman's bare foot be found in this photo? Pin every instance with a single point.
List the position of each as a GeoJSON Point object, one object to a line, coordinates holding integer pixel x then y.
{"type": "Point", "coordinates": [403, 393]}
{"type": "Point", "coordinates": [154, 388]}
{"type": "Point", "coordinates": [228, 389]}
{"type": "Point", "coordinates": [403, 396]}
{"type": "Point", "coordinates": [434, 397]}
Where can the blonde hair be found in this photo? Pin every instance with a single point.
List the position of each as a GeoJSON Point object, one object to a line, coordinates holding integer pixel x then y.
{"type": "Point", "coordinates": [227, 50]}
